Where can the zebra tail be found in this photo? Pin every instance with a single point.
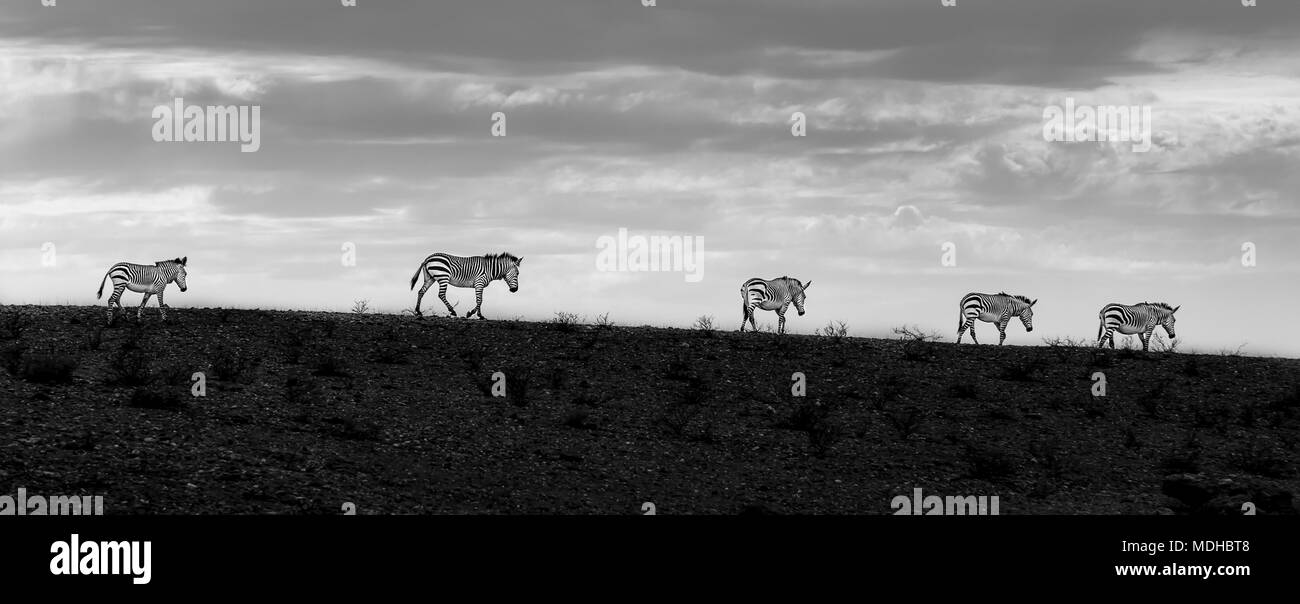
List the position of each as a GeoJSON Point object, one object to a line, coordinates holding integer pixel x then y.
{"type": "Point", "coordinates": [416, 276]}
{"type": "Point", "coordinates": [100, 293]}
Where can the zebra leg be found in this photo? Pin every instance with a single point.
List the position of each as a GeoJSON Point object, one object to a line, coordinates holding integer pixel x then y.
{"type": "Point", "coordinates": [442, 295]}
{"type": "Point", "coordinates": [1002, 332]}
{"type": "Point", "coordinates": [420, 297]}
{"type": "Point", "coordinates": [780, 330]}
{"type": "Point", "coordinates": [752, 323]}
{"type": "Point", "coordinates": [139, 312]}
{"type": "Point", "coordinates": [162, 308]}
{"type": "Point", "coordinates": [961, 329]}
{"type": "Point", "coordinates": [478, 304]}
{"type": "Point", "coordinates": [115, 299]}
{"type": "Point", "coordinates": [1146, 339]}
{"type": "Point", "coordinates": [1110, 335]}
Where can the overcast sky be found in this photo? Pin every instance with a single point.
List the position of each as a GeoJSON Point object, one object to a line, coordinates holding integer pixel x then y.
{"type": "Point", "coordinates": [924, 126]}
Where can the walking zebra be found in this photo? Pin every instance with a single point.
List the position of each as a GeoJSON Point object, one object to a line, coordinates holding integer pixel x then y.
{"type": "Point", "coordinates": [461, 271]}
{"type": "Point", "coordinates": [776, 294]}
{"type": "Point", "coordinates": [994, 308]}
{"type": "Point", "coordinates": [1140, 319]}
{"type": "Point", "coordinates": [143, 278]}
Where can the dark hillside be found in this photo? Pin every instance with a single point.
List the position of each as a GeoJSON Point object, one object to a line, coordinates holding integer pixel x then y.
{"type": "Point", "coordinates": [305, 411]}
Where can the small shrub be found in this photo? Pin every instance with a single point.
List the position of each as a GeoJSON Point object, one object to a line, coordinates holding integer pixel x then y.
{"type": "Point", "coordinates": [906, 421]}
{"type": "Point", "coordinates": [603, 322]}
{"type": "Point", "coordinates": [48, 368]}
{"type": "Point", "coordinates": [360, 307]}
{"type": "Point", "coordinates": [130, 368]}
{"type": "Point", "coordinates": [580, 418]}
{"type": "Point", "coordinates": [1150, 403]}
{"type": "Point", "coordinates": [1021, 371]}
{"type": "Point", "coordinates": [94, 337]}
{"type": "Point", "coordinates": [918, 345]}
{"type": "Point", "coordinates": [231, 364]}
{"type": "Point", "coordinates": [11, 357]}
{"type": "Point", "coordinates": [823, 437]}
{"type": "Point", "coordinates": [836, 330]}
{"type": "Point", "coordinates": [1159, 344]}
{"type": "Point", "coordinates": [566, 321]}
{"type": "Point", "coordinates": [704, 324]}
{"type": "Point", "coordinates": [677, 417]}
{"type": "Point", "coordinates": [805, 416]}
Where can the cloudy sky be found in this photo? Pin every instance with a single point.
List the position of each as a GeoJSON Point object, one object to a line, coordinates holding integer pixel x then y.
{"type": "Point", "coordinates": [924, 126]}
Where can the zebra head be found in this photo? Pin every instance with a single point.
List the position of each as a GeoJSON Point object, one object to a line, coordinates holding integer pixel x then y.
{"type": "Point", "coordinates": [1168, 321]}
{"type": "Point", "coordinates": [178, 272]}
{"type": "Point", "coordinates": [799, 297]}
{"type": "Point", "coordinates": [1027, 314]}
{"type": "Point", "coordinates": [512, 275]}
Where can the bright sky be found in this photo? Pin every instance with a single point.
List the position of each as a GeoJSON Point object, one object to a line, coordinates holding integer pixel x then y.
{"type": "Point", "coordinates": [924, 126]}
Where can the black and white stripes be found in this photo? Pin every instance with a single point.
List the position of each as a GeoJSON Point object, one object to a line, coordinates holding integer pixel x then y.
{"type": "Point", "coordinates": [143, 278]}
{"type": "Point", "coordinates": [994, 308]}
{"type": "Point", "coordinates": [1141, 319]}
{"type": "Point", "coordinates": [466, 271]}
{"type": "Point", "coordinates": [776, 294]}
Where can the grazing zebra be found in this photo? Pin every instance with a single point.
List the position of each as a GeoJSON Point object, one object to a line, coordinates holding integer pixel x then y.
{"type": "Point", "coordinates": [1140, 319]}
{"type": "Point", "coordinates": [776, 294]}
{"type": "Point", "coordinates": [460, 271]}
{"type": "Point", "coordinates": [994, 308]}
{"type": "Point", "coordinates": [143, 278]}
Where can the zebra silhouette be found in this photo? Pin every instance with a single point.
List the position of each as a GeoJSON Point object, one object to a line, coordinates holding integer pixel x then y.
{"type": "Point", "coordinates": [466, 271]}
{"type": "Point", "coordinates": [776, 294]}
{"type": "Point", "coordinates": [1141, 319]}
{"type": "Point", "coordinates": [994, 308]}
{"type": "Point", "coordinates": [143, 278]}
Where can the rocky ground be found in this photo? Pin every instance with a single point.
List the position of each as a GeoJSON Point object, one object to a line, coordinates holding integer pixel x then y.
{"type": "Point", "coordinates": [306, 411]}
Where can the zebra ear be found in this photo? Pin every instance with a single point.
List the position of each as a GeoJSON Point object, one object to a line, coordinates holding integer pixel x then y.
{"type": "Point", "coordinates": [1175, 309]}
{"type": "Point", "coordinates": [807, 285]}
{"type": "Point", "coordinates": [1034, 302]}
{"type": "Point", "coordinates": [184, 259]}
{"type": "Point", "coordinates": [519, 261]}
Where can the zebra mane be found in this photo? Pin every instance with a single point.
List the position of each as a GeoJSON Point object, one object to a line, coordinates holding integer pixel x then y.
{"type": "Point", "coordinates": [1163, 305]}
{"type": "Point", "coordinates": [172, 261]}
{"type": "Point", "coordinates": [512, 257]}
{"type": "Point", "coordinates": [1018, 297]}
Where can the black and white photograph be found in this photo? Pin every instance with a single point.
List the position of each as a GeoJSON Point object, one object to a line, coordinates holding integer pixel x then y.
{"type": "Point", "coordinates": [866, 258]}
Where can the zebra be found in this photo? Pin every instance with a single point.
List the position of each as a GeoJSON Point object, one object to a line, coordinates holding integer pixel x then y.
{"type": "Point", "coordinates": [1140, 319]}
{"type": "Point", "coordinates": [776, 294]}
{"type": "Point", "coordinates": [461, 271]}
{"type": "Point", "coordinates": [994, 308]}
{"type": "Point", "coordinates": [143, 278]}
